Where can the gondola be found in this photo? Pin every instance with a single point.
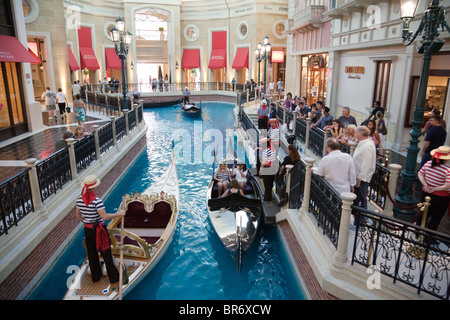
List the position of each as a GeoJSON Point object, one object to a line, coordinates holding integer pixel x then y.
{"type": "Point", "coordinates": [148, 229]}
{"type": "Point", "coordinates": [191, 110]}
{"type": "Point", "coordinates": [236, 219]}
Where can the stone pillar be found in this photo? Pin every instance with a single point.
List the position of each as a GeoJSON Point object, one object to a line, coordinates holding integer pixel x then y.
{"type": "Point", "coordinates": [325, 138]}
{"type": "Point", "coordinates": [113, 126]}
{"type": "Point", "coordinates": [127, 127]}
{"type": "Point", "coordinates": [308, 128]}
{"type": "Point", "coordinates": [34, 183]}
{"type": "Point", "coordinates": [97, 141]}
{"type": "Point", "coordinates": [73, 160]}
{"type": "Point", "coordinates": [352, 147]}
{"type": "Point", "coordinates": [340, 256]}
{"type": "Point", "coordinates": [295, 122]}
{"type": "Point", "coordinates": [393, 177]}
{"type": "Point", "coordinates": [288, 183]}
{"type": "Point", "coordinates": [307, 187]}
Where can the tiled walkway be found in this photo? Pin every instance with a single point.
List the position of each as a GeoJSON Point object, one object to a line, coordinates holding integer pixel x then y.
{"type": "Point", "coordinates": [40, 144]}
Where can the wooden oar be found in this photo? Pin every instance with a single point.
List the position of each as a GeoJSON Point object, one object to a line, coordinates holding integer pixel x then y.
{"type": "Point", "coordinates": [121, 250]}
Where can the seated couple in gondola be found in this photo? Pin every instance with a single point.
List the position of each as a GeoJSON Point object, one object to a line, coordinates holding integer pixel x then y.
{"type": "Point", "coordinates": [223, 176]}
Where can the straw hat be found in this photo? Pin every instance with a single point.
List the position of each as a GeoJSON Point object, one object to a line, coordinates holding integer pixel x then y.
{"type": "Point", "coordinates": [443, 153]}
{"type": "Point", "coordinates": [273, 120]}
{"type": "Point", "coordinates": [90, 182]}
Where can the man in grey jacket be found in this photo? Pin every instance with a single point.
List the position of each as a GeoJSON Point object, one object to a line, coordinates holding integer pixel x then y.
{"type": "Point", "coordinates": [50, 103]}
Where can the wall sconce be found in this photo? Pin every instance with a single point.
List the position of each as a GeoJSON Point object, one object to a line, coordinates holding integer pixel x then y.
{"type": "Point", "coordinates": [132, 65]}
{"type": "Point", "coordinates": [177, 65]}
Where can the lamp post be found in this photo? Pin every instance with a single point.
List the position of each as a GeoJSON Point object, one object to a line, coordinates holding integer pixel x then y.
{"type": "Point", "coordinates": [262, 52]}
{"type": "Point", "coordinates": [433, 18]}
{"type": "Point", "coordinates": [122, 41]}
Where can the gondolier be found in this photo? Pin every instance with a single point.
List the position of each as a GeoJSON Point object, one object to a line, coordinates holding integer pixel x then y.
{"type": "Point", "coordinates": [267, 171]}
{"type": "Point", "coordinates": [263, 115]}
{"type": "Point", "coordinates": [91, 211]}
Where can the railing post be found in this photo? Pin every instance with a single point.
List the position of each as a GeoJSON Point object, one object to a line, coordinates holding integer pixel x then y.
{"type": "Point", "coordinates": [73, 160]}
{"type": "Point", "coordinates": [325, 138]}
{"type": "Point", "coordinates": [307, 186]}
{"type": "Point", "coordinates": [34, 183]}
{"type": "Point", "coordinates": [113, 127]}
{"type": "Point", "coordinates": [340, 256]}
{"type": "Point", "coordinates": [125, 113]}
{"type": "Point", "coordinates": [308, 129]}
{"type": "Point", "coordinates": [97, 141]}
{"type": "Point", "coordinates": [295, 122]}
{"type": "Point", "coordinates": [288, 183]}
{"type": "Point", "coordinates": [393, 177]}
{"type": "Point", "coordinates": [352, 147]}
{"type": "Point", "coordinates": [284, 116]}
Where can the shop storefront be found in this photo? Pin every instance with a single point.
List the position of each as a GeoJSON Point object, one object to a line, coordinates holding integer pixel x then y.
{"type": "Point", "coordinates": [13, 120]}
{"type": "Point", "coordinates": [314, 74]}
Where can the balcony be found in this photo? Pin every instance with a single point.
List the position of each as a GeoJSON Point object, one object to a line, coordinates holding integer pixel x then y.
{"type": "Point", "coordinates": [308, 19]}
{"type": "Point", "coordinates": [346, 7]}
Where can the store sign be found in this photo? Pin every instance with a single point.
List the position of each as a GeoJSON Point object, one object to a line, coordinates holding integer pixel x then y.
{"type": "Point", "coordinates": [354, 72]}
{"type": "Point", "coordinates": [277, 56]}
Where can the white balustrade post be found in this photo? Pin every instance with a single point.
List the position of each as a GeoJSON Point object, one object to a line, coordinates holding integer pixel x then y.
{"type": "Point", "coordinates": [73, 160]}
{"type": "Point", "coordinates": [325, 138]}
{"type": "Point", "coordinates": [352, 147]}
{"type": "Point", "coordinates": [340, 256]}
{"type": "Point", "coordinates": [295, 122]}
{"type": "Point", "coordinates": [308, 129]}
{"type": "Point", "coordinates": [34, 183]}
{"type": "Point", "coordinates": [288, 183]}
{"type": "Point", "coordinates": [113, 127]}
{"type": "Point", "coordinates": [307, 186]}
{"type": "Point", "coordinates": [127, 128]}
{"type": "Point", "coordinates": [393, 177]}
{"type": "Point", "coordinates": [95, 127]}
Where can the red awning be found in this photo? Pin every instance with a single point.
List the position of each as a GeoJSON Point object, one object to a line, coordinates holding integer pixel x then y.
{"type": "Point", "coordinates": [35, 57]}
{"type": "Point", "coordinates": [241, 59]}
{"type": "Point", "coordinates": [191, 59]}
{"type": "Point", "coordinates": [88, 59]}
{"type": "Point", "coordinates": [73, 64]}
{"type": "Point", "coordinates": [12, 50]}
{"type": "Point", "coordinates": [218, 57]}
{"type": "Point", "coordinates": [112, 59]}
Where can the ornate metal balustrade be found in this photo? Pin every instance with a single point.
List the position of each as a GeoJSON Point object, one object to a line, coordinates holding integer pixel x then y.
{"type": "Point", "coordinates": [325, 205]}
{"type": "Point", "coordinates": [15, 201]}
{"type": "Point", "coordinates": [300, 129]}
{"type": "Point", "coordinates": [377, 186]}
{"type": "Point", "coordinates": [105, 137]}
{"type": "Point", "coordinates": [120, 128]}
{"type": "Point", "coordinates": [405, 252]}
{"type": "Point", "coordinates": [53, 173]}
{"type": "Point", "coordinates": [85, 152]}
{"type": "Point", "coordinates": [316, 140]}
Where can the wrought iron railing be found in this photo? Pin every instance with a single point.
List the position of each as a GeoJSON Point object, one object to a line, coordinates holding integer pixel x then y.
{"type": "Point", "coordinates": [85, 152]}
{"type": "Point", "coordinates": [15, 200]}
{"type": "Point", "coordinates": [407, 253]}
{"type": "Point", "coordinates": [53, 173]}
{"type": "Point", "coordinates": [325, 205]}
{"type": "Point", "coordinates": [316, 140]}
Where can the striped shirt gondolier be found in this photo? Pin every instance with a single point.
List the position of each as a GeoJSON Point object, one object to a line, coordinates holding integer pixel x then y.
{"type": "Point", "coordinates": [436, 176]}
{"type": "Point", "coordinates": [89, 213]}
{"type": "Point", "coordinates": [274, 135]}
{"type": "Point", "coordinates": [268, 155]}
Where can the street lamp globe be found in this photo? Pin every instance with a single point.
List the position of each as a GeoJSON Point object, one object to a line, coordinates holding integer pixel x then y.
{"type": "Point", "coordinates": [115, 34]}
{"type": "Point", "coordinates": [408, 8]}
{"type": "Point", "coordinates": [120, 24]}
{"type": "Point", "coordinates": [127, 39]}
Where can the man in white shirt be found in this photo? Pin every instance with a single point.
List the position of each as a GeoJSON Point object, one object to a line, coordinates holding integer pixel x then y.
{"type": "Point", "coordinates": [364, 159]}
{"type": "Point", "coordinates": [337, 168]}
{"type": "Point", "coordinates": [76, 89]}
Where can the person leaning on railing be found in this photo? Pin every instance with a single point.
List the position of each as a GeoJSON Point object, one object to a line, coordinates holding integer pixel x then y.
{"type": "Point", "coordinates": [435, 178]}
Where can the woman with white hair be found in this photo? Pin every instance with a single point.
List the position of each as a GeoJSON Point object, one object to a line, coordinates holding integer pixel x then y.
{"type": "Point", "coordinates": [435, 178]}
{"type": "Point", "coordinates": [222, 177]}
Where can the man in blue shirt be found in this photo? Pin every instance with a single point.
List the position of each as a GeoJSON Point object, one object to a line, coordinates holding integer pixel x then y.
{"type": "Point", "coordinates": [326, 120]}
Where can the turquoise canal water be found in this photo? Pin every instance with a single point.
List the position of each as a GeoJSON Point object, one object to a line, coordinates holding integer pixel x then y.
{"type": "Point", "coordinates": [196, 265]}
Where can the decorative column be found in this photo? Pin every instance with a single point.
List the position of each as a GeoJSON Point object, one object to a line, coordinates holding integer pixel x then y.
{"type": "Point", "coordinates": [34, 183]}
{"type": "Point", "coordinates": [113, 127]}
{"type": "Point", "coordinates": [97, 141]}
{"type": "Point", "coordinates": [308, 129]}
{"type": "Point", "coordinates": [73, 159]}
{"type": "Point", "coordinates": [288, 183]}
{"type": "Point", "coordinates": [307, 187]}
{"type": "Point", "coordinates": [341, 256]}
{"type": "Point", "coordinates": [393, 177]}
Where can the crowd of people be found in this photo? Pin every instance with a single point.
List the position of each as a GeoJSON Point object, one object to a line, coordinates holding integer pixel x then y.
{"type": "Point", "coordinates": [347, 173]}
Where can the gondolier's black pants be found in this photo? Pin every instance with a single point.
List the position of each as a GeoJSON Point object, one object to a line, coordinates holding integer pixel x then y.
{"type": "Point", "coordinates": [268, 184]}
{"type": "Point", "coordinates": [94, 261]}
